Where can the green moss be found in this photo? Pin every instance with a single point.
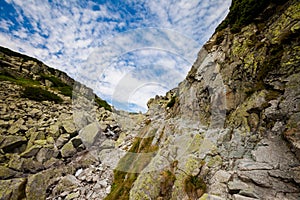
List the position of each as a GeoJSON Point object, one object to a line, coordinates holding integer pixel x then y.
{"type": "Point", "coordinates": [66, 90]}
{"type": "Point", "coordinates": [39, 94]}
{"type": "Point", "coordinates": [58, 84]}
{"type": "Point", "coordinates": [215, 161]}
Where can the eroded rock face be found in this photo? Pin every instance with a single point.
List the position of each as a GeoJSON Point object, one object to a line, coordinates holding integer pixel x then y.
{"type": "Point", "coordinates": [233, 123]}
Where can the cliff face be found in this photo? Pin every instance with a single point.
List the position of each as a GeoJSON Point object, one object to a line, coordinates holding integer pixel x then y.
{"type": "Point", "coordinates": [231, 128]}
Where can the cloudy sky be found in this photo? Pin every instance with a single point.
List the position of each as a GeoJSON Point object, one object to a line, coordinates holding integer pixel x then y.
{"type": "Point", "coordinates": [126, 50]}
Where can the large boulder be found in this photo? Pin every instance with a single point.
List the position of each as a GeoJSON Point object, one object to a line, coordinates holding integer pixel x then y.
{"type": "Point", "coordinates": [68, 150]}
{"type": "Point", "coordinates": [12, 189]}
{"type": "Point", "coordinates": [10, 142]}
{"type": "Point", "coordinates": [6, 172]}
{"type": "Point", "coordinates": [62, 140]}
{"type": "Point", "coordinates": [16, 126]}
{"type": "Point", "coordinates": [89, 134]}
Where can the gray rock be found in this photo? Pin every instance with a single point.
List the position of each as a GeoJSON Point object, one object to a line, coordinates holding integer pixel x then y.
{"type": "Point", "coordinates": [32, 165]}
{"type": "Point", "coordinates": [35, 112]}
{"type": "Point", "coordinates": [10, 142]}
{"type": "Point", "coordinates": [73, 195]}
{"type": "Point", "coordinates": [32, 151]}
{"type": "Point", "coordinates": [69, 126]}
{"type": "Point", "coordinates": [240, 197]}
{"type": "Point", "coordinates": [260, 177]}
{"type": "Point", "coordinates": [44, 154]}
{"type": "Point", "coordinates": [12, 189]}
{"type": "Point", "coordinates": [237, 185]}
{"type": "Point", "coordinates": [67, 183]}
{"type": "Point", "coordinates": [53, 129]}
{"type": "Point", "coordinates": [89, 134]}
{"type": "Point", "coordinates": [68, 150]}
{"type": "Point", "coordinates": [63, 139]}
{"type": "Point", "coordinates": [246, 165]}
{"type": "Point", "coordinates": [15, 127]}
{"type": "Point", "coordinates": [6, 172]}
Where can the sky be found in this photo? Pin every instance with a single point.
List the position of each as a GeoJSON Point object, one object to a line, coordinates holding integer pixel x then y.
{"type": "Point", "coordinates": [127, 51]}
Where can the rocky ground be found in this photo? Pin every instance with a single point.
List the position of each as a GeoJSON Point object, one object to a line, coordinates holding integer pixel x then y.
{"type": "Point", "coordinates": [45, 154]}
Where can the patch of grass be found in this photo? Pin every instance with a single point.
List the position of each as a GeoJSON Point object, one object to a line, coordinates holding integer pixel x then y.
{"type": "Point", "coordinates": [55, 81]}
{"type": "Point", "coordinates": [39, 94]}
{"type": "Point", "coordinates": [5, 76]}
{"type": "Point", "coordinates": [131, 162]}
{"type": "Point", "coordinates": [103, 104]}
{"type": "Point", "coordinates": [66, 90]}
{"type": "Point", "coordinates": [194, 186]}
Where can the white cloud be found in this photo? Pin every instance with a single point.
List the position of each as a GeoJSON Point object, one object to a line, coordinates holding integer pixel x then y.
{"type": "Point", "coordinates": [84, 42]}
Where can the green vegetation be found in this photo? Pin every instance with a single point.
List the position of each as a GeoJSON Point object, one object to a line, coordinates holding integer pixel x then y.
{"type": "Point", "coordinates": [103, 104]}
{"type": "Point", "coordinates": [16, 54]}
{"type": "Point", "coordinates": [67, 90]}
{"type": "Point", "coordinates": [244, 12]}
{"type": "Point", "coordinates": [194, 186]}
{"type": "Point", "coordinates": [172, 102]}
{"type": "Point", "coordinates": [39, 94]}
{"type": "Point", "coordinates": [55, 81]}
{"type": "Point", "coordinates": [166, 185]}
{"type": "Point", "coordinates": [6, 76]}
{"type": "Point", "coordinates": [64, 88]}
{"type": "Point", "coordinates": [134, 163]}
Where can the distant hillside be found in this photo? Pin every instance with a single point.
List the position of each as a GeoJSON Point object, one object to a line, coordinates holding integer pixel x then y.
{"type": "Point", "coordinates": [37, 78]}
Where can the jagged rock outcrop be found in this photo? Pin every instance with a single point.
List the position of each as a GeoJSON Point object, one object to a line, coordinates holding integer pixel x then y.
{"type": "Point", "coordinates": [231, 128]}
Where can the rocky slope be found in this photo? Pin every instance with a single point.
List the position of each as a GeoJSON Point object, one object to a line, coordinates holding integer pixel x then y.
{"type": "Point", "coordinates": [231, 128]}
{"type": "Point", "coordinates": [52, 131]}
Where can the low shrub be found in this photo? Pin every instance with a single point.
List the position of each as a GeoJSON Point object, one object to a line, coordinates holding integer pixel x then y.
{"type": "Point", "coordinates": [39, 94]}
{"type": "Point", "coordinates": [103, 104]}
{"type": "Point", "coordinates": [6, 76]}
{"type": "Point", "coordinates": [66, 90]}
{"type": "Point", "coordinates": [194, 186]}
{"type": "Point", "coordinates": [171, 102]}
{"type": "Point", "coordinates": [55, 81]}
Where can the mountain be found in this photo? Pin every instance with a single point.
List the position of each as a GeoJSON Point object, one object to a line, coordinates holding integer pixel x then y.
{"type": "Point", "coordinates": [50, 127]}
{"type": "Point", "coordinates": [230, 130]}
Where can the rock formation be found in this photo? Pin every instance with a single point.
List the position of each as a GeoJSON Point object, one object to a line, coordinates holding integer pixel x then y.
{"type": "Point", "coordinates": [230, 130]}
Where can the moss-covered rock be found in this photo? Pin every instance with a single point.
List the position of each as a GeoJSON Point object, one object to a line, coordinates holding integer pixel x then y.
{"type": "Point", "coordinates": [13, 189]}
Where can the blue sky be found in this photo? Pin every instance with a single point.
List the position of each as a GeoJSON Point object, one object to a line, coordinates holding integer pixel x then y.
{"type": "Point", "coordinates": [127, 51]}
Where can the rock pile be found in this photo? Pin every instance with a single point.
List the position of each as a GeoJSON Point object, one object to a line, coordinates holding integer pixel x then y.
{"type": "Point", "coordinates": [43, 153]}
